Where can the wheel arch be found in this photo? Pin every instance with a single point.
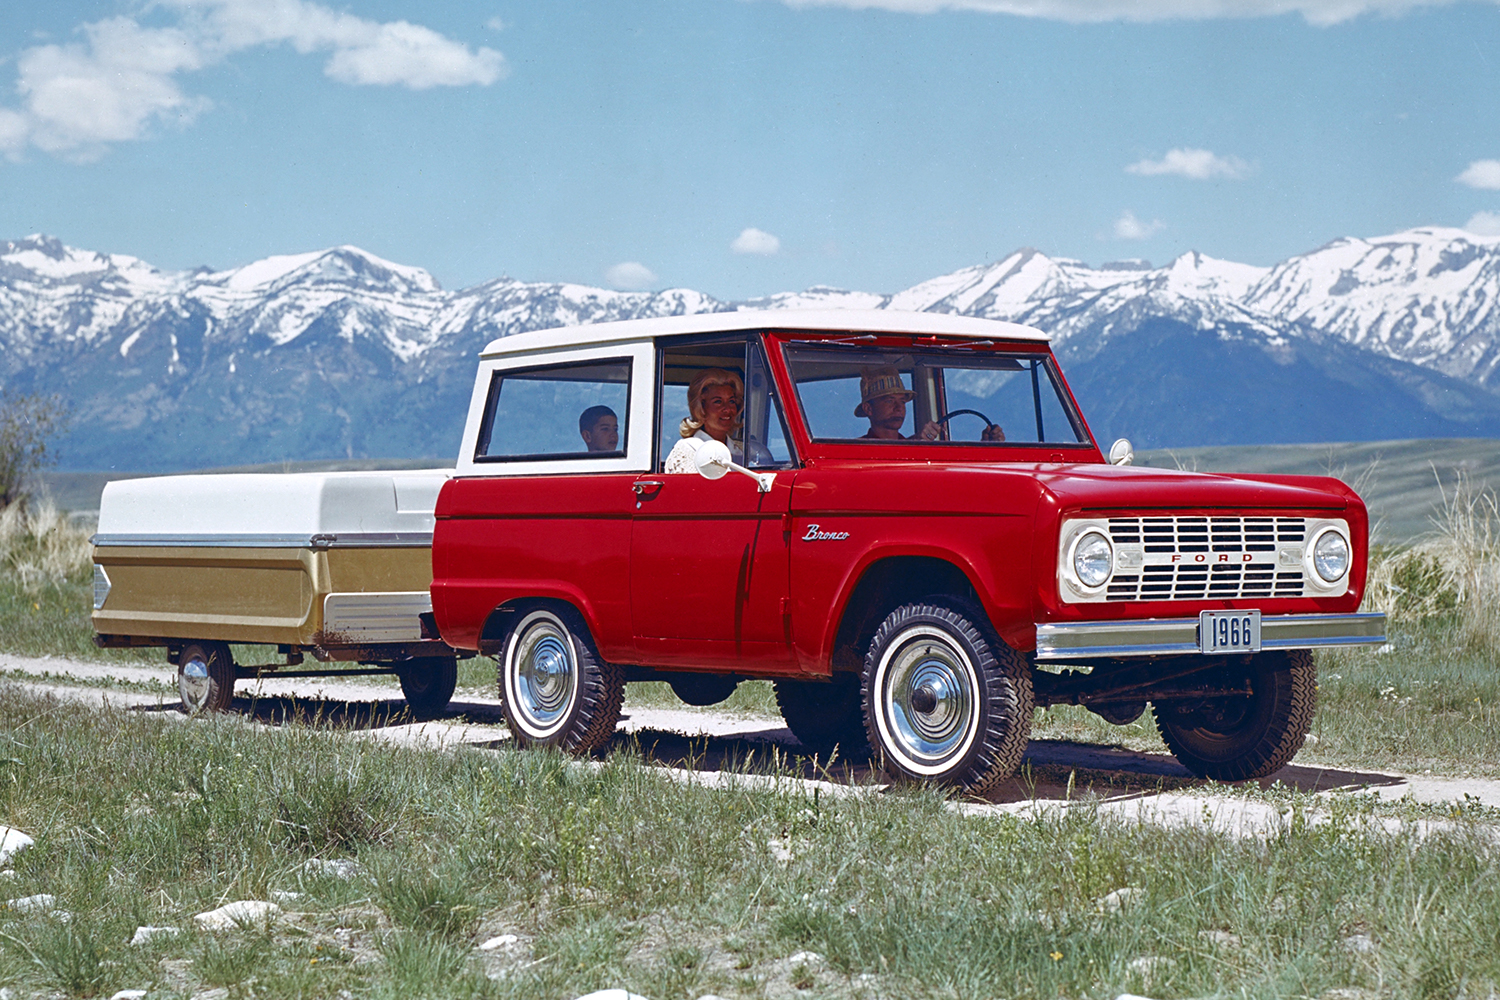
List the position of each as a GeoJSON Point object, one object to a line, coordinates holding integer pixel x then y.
{"type": "Point", "coordinates": [499, 622]}
{"type": "Point", "coordinates": [883, 584]}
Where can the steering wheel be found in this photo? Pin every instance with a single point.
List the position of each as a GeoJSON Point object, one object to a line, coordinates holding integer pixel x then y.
{"type": "Point", "coordinates": [988, 423]}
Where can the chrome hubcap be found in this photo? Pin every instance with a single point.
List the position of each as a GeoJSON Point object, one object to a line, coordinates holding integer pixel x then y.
{"type": "Point", "coordinates": [929, 698]}
{"type": "Point", "coordinates": [546, 676]}
{"type": "Point", "coordinates": [192, 683]}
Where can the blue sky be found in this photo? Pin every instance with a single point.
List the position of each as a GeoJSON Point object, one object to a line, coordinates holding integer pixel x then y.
{"type": "Point", "coordinates": [743, 147]}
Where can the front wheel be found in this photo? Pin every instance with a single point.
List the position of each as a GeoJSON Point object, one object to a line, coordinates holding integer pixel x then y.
{"type": "Point", "coordinates": [555, 689]}
{"type": "Point", "coordinates": [205, 677]}
{"type": "Point", "coordinates": [945, 699]}
{"type": "Point", "coordinates": [428, 683]}
{"type": "Point", "coordinates": [1241, 737]}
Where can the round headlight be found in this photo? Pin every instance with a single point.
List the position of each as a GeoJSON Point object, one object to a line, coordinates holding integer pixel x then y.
{"type": "Point", "coordinates": [1331, 556]}
{"type": "Point", "coordinates": [1093, 559]}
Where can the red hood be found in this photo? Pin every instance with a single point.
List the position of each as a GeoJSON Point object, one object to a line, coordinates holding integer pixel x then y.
{"type": "Point", "coordinates": [1112, 487]}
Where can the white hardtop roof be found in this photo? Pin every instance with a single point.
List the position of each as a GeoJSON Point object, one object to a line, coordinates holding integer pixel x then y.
{"type": "Point", "coordinates": [834, 320]}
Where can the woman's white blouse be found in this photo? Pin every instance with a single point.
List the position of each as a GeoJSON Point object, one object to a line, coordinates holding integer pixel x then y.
{"type": "Point", "coordinates": [681, 457]}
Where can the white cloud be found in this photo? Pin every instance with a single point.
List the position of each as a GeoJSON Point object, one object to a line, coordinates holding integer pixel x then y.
{"type": "Point", "coordinates": [1195, 164]}
{"type": "Point", "coordinates": [630, 276]}
{"type": "Point", "coordinates": [1319, 12]}
{"type": "Point", "coordinates": [756, 241]}
{"type": "Point", "coordinates": [1482, 174]}
{"type": "Point", "coordinates": [1128, 227]}
{"type": "Point", "coordinates": [1484, 224]}
{"type": "Point", "coordinates": [122, 78]}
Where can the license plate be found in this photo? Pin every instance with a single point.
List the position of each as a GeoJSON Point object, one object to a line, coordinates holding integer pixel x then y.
{"type": "Point", "coordinates": [1229, 631]}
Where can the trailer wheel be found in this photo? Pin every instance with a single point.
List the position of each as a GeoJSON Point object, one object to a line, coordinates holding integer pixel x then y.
{"type": "Point", "coordinates": [946, 701]}
{"type": "Point", "coordinates": [555, 688]}
{"type": "Point", "coordinates": [205, 677]}
{"type": "Point", "coordinates": [1239, 738]}
{"type": "Point", "coordinates": [825, 715]}
{"type": "Point", "coordinates": [428, 683]}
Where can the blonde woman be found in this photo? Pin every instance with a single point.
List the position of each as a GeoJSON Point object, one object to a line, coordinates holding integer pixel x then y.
{"type": "Point", "coordinates": [716, 397]}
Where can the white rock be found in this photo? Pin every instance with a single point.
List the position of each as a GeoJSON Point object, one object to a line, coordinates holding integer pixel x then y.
{"type": "Point", "coordinates": [1148, 966]}
{"type": "Point", "coordinates": [710, 996]}
{"type": "Point", "coordinates": [232, 915]}
{"type": "Point", "coordinates": [282, 896]}
{"type": "Point", "coordinates": [808, 958]}
{"type": "Point", "coordinates": [144, 934]}
{"type": "Point", "coordinates": [219, 994]}
{"type": "Point", "coordinates": [39, 903]}
{"type": "Point", "coordinates": [344, 868]}
{"type": "Point", "coordinates": [7, 873]}
{"type": "Point", "coordinates": [1360, 944]}
{"type": "Point", "coordinates": [503, 941]}
{"type": "Point", "coordinates": [129, 995]}
{"type": "Point", "coordinates": [12, 841]}
{"type": "Point", "coordinates": [1221, 939]}
{"type": "Point", "coordinates": [614, 994]}
{"type": "Point", "coordinates": [1118, 900]}
{"type": "Point", "coordinates": [779, 851]}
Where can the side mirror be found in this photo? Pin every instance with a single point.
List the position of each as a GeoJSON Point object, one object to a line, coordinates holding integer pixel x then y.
{"type": "Point", "coordinates": [713, 459]}
{"type": "Point", "coordinates": [1121, 453]}
{"type": "Point", "coordinates": [714, 462]}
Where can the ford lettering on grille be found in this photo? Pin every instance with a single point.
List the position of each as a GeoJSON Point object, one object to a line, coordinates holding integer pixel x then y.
{"type": "Point", "coordinates": [1197, 558]}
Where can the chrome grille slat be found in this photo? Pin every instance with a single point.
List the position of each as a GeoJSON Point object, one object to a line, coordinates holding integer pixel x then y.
{"type": "Point", "coordinates": [1245, 538]}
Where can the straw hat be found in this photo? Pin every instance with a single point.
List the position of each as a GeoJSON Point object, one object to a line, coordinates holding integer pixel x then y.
{"type": "Point", "coordinates": [882, 381]}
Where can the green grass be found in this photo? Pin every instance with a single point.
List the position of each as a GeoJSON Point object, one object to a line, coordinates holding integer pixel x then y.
{"type": "Point", "coordinates": [611, 875]}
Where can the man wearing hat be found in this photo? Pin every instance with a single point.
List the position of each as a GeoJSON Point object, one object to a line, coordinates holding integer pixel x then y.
{"type": "Point", "coordinates": [883, 400]}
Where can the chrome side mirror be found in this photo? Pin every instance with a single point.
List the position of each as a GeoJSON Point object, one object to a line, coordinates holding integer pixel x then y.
{"type": "Point", "coordinates": [1121, 453]}
{"type": "Point", "coordinates": [714, 462]}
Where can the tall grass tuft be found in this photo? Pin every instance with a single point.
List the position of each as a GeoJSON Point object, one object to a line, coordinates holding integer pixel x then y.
{"type": "Point", "coordinates": [40, 547]}
{"type": "Point", "coordinates": [1453, 574]}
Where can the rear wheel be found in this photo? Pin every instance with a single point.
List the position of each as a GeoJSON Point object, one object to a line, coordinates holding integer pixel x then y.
{"type": "Point", "coordinates": [1244, 737]}
{"type": "Point", "coordinates": [825, 715]}
{"type": "Point", "coordinates": [428, 683]}
{"type": "Point", "coordinates": [945, 699]}
{"type": "Point", "coordinates": [205, 677]}
{"type": "Point", "coordinates": [555, 689]}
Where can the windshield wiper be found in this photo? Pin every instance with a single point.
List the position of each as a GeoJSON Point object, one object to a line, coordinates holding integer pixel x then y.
{"type": "Point", "coordinates": [863, 338]}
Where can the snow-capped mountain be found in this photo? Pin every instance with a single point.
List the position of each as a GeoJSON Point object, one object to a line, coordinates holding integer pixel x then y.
{"type": "Point", "coordinates": [340, 353]}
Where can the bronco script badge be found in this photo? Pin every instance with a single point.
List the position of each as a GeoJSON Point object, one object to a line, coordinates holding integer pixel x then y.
{"type": "Point", "coordinates": [816, 534]}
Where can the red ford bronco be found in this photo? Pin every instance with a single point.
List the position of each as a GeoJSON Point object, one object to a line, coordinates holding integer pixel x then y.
{"type": "Point", "coordinates": [901, 519]}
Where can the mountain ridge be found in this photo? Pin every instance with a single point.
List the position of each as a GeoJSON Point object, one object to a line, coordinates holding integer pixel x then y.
{"type": "Point", "coordinates": [324, 354]}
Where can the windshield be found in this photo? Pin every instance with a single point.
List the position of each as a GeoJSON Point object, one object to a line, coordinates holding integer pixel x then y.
{"type": "Point", "coordinates": [959, 394]}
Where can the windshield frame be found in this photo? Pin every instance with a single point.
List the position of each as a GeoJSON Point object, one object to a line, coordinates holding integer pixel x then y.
{"type": "Point", "coordinates": [778, 343]}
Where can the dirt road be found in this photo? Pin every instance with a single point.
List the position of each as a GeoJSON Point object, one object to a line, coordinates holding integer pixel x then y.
{"type": "Point", "coordinates": [696, 744]}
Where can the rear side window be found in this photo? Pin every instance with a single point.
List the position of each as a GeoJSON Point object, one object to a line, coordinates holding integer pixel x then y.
{"type": "Point", "coordinates": [557, 412]}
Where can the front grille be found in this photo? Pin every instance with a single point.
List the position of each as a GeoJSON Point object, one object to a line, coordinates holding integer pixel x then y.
{"type": "Point", "coordinates": [1197, 558]}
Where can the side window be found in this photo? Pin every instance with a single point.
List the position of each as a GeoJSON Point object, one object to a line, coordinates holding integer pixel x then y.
{"type": "Point", "coordinates": [557, 412]}
{"type": "Point", "coordinates": [757, 436]}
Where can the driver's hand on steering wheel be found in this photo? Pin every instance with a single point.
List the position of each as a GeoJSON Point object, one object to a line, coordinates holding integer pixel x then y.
{"type": "Point", "coordinates": [994, 432]}
{"type": "Point", "coordinates": [929, 432]}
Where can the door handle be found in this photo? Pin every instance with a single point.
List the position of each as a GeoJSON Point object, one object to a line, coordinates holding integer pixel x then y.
{"type": "Point", "coordinates": [642, 485]}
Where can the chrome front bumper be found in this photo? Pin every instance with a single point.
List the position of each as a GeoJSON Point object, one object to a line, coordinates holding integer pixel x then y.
{"type": "Point", "coordinates": [1177, 636]}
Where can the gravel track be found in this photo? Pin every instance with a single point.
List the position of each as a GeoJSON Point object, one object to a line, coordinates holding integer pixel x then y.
{"type": "Point", "coordinates": [696, 745]}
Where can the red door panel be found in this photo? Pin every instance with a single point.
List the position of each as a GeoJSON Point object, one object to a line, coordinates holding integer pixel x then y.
{"type": "Point", "coordinates": [708, 572]}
